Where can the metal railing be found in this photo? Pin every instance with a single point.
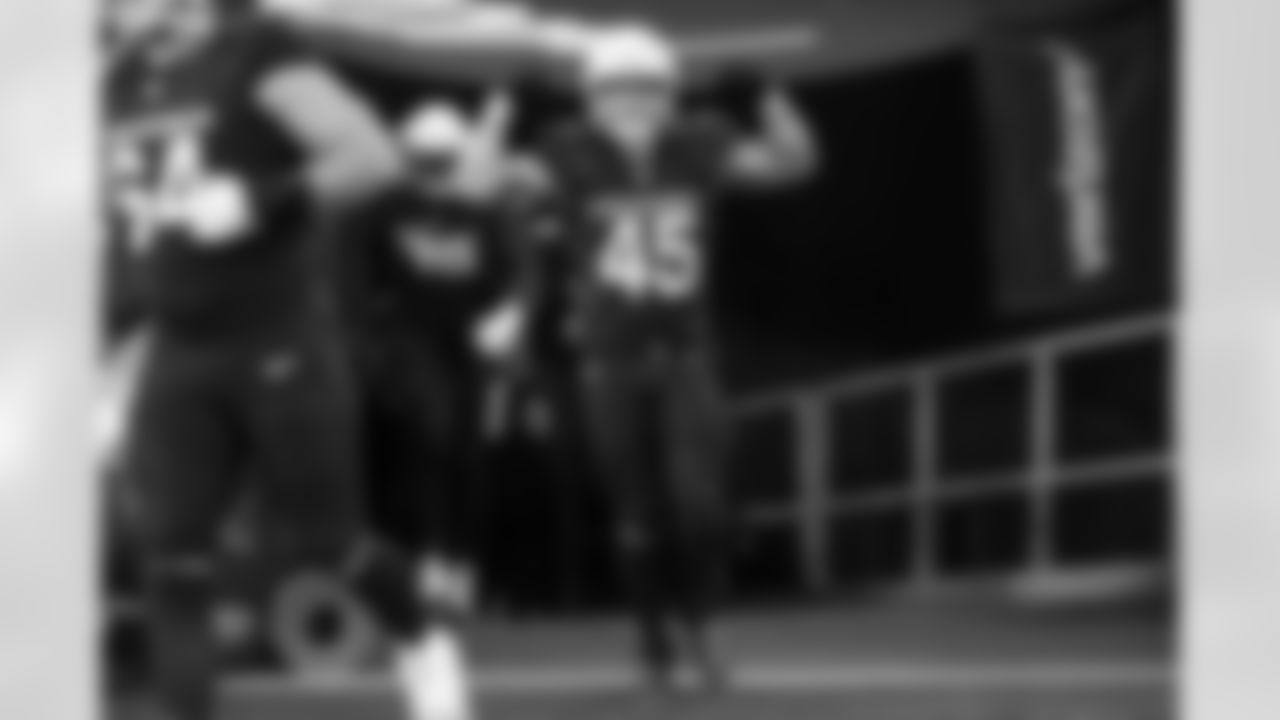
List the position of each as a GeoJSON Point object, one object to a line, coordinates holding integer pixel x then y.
{"type": "Point", "coordinates": [815, 500]}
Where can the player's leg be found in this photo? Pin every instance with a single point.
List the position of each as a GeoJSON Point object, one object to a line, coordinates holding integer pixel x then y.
{"type": "Point", "coordinates": [696, 432]}
{"type": "Point", "coordinates": [562, 431]}
{"type": "Point", "coordinates": [439, 385]}
{"type": "Point", "coordinates": [400, 459]}
{"type": "Point", "coordinates": [617, 409]}
{"type": "Point", "coordinates": [465, 468]}
{"type": "Point", "coordinates": [307, 441]}
{"type": "Point", "coordinates": [184, 461]}
{"type": "Point", "coordinates": [421, 408]}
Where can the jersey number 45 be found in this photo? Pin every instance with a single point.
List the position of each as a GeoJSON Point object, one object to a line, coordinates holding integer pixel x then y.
{"type": "Point", "coordinates": [651, 249]}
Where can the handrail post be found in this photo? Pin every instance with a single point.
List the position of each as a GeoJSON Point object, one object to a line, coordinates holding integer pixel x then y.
{"type": "Point", "coordinates": [812, 468]}
{"type": "Point", "coordinates": [924, 479]}
{"type": "Point", "coordinates": [1046, 473]}
{"type": "Point", "coordinates": [1043, 430]}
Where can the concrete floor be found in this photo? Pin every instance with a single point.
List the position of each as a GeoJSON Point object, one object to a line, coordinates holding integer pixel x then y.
{"type": "Point", "coordinates": [828, 663]}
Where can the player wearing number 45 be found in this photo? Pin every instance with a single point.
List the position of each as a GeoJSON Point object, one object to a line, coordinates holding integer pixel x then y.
{"type": "Point", "coordinates": [222, 137]}
{"type": "Point", "coordinates": [635, 175]}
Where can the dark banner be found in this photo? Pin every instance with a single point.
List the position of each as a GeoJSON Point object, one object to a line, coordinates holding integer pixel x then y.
{"type": "Point", "coordinates": [1079, 120]}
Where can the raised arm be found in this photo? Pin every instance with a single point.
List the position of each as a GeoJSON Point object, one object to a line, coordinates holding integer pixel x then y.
{"type": "Point", "coordinates": [490, 168]}
{"type": "Point", "coordinates": [350, 155]}
{"type": "Point", "coordinates": [783, 151]}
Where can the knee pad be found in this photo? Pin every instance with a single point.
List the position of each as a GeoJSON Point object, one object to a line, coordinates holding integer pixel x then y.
{"type": "Point", "coordinates": [386, 581]}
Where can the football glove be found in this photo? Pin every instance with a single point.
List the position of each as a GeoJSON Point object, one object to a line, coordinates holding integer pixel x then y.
{"type": "Point", "coordinates": [215, 211]}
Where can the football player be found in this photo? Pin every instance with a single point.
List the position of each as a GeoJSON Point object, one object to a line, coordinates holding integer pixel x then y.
{"type": "Point", "coordinates": [635, 176]}
{"type": "Point", "coordinates": [223, 139]}
{"type": "Point", "coordinates": [435, 296]}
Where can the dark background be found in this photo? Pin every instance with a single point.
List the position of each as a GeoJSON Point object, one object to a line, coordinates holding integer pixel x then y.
{"type": "Point", "coordinates": [884, 257]}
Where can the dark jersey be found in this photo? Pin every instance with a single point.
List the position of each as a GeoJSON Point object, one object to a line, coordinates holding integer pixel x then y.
{"type": "Point", "coordinates": [168, 126]}
{"type": "Point", "coordinates": [436, 263]}
{"type": "Point", "coordinates": [639, 234]}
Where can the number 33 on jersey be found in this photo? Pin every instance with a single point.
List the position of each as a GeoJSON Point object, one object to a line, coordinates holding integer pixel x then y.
{"type": "Point", "coordinates": [650, 248]}
{"type": "Point", "coordinates": [161, 182]}
{"type": "Point", "coordinates": [147, 173]}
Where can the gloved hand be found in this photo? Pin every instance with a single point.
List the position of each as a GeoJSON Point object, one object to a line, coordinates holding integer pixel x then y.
{"type": "Point", "coordinates": [214, 210]}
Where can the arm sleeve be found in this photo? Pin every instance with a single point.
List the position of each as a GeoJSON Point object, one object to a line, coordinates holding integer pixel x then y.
{"type": "Point", "coordinates": [362, 256]}
{"type": "Point", "coordinates": [559, 150]}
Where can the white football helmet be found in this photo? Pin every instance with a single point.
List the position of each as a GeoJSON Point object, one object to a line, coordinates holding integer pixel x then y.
{"type": "Point", "coordinates": [630, 53]}
{"type": "Point", "coordinates": [436, 128]}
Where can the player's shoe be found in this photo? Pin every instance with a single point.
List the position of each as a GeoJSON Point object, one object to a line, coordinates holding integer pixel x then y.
{"type": "Point", "coordinates": [702, 653]}
{"type": "Point", "coordinates": [657, 656]}
{"type": "Point", "coordinates": [434, 678]}
{"type": "Point", "coordinates": [660, 676]}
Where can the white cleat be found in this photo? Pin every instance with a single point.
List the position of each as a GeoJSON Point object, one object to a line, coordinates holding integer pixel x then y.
{"type": "Point", "coordinates": [434, 678]}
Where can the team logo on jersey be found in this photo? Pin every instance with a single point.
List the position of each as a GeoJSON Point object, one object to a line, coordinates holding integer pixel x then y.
{"type": "Point", "coordinates": [439, 252]}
